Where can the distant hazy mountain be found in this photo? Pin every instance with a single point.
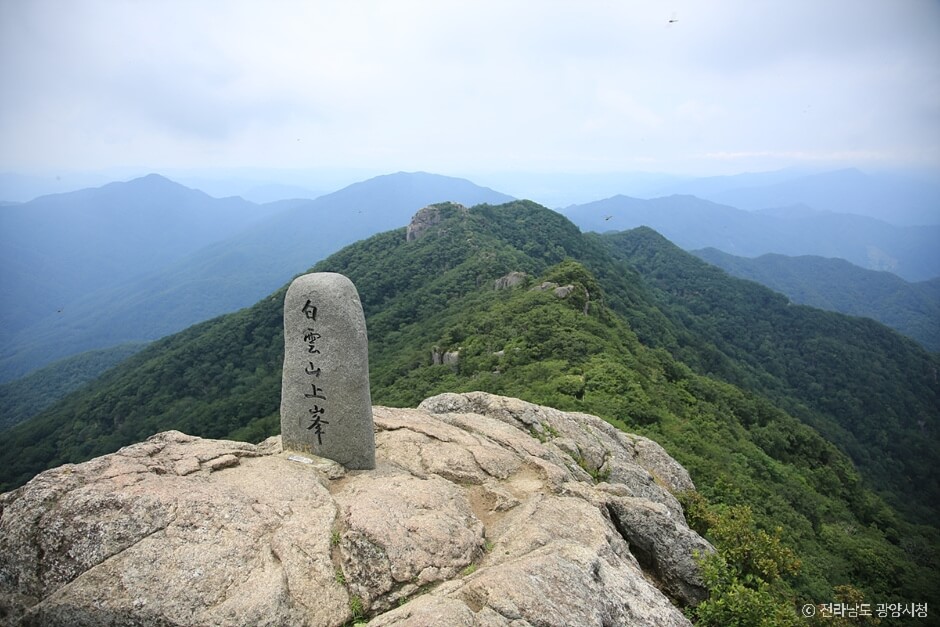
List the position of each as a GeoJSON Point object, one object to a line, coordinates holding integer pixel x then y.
{"type": "Point", "coordinates": [59, 248]}
{"type": "Point", "coordinates": [560, 189]}
{"type": "Point", "coordinates": [273, 192]}
{"type": "Point", "coordinates": [199, 282]}
{"type": "Point", "coordinates": [708, 186]}
{"type": "Point", "coordinates": [694, 223]}
{"type": "Point", "coordinates": [896, 199]}
{"type": "Point", "coordinates": [837, 285]}
{"type": "Point", "coordinates": [24, 187]}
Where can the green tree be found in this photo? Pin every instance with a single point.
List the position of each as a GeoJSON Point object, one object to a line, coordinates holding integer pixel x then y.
{"type": "Point", "coordinates": [746, 574]}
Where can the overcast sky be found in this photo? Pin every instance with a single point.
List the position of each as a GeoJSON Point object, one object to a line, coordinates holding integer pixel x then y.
{"type": "Point", "coordinates": [699, 87]}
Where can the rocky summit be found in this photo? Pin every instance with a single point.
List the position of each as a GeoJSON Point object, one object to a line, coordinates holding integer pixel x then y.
{"type": "Point", "coordinates": [482, 510]}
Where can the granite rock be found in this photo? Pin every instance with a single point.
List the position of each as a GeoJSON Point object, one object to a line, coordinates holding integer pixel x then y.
{"type": "Point", "coordinates": [481, 510]}
{"type": "Point", "coordinates": [429, 217]}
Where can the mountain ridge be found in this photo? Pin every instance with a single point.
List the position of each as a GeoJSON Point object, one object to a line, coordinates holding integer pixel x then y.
{"type": "Point", "coordinates": [217, 277]}
{"type": "Point", "coordinates": [241, 268]}
{"type": "Point", "coordinates": [617, 344]}
{"type": "Point", "coordinates": [837, 285]}
{"type": "Point", "coordinates": [24, 398]}
{"type": "Point", "coordinates": [694, 223]}
{"type": "Point", "coordinates": [907, 199]}
{"type": "Point", "coordinates": [814, 364]}
{"type": "Point", "coordinates": [58, 248]}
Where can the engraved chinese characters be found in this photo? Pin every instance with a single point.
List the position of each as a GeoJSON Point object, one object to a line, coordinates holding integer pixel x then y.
{"type": "Point", "coordinates": [326, 408]}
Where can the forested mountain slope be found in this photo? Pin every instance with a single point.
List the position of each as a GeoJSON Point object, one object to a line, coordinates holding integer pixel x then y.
{"type": "Point", "coordinates": [614, 344]}
{"type": "Point", "coordinates": [24, 398]}
{"type": "Point", "coordinates": [870, 390]}
{"type": "Point", "coordinates": [912, 309]}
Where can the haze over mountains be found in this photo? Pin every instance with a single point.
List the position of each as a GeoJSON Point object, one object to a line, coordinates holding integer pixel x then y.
{"type": "Point", "coordinates": [134, 261]}
{"type": "Point", "coordinates": [906, 198]}
{"type": "Point", "coordinates": [56, 249]}
{"type": "Point", "coordinates": [138, 260]}
{"type": "Point", "coordinates": [899, 199]}
{"type": "Point", "coordinates": [692, 223]}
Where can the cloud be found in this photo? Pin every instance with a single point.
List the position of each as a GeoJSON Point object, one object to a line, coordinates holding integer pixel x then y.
{"type": "Point", "coordinates": [466, 85]}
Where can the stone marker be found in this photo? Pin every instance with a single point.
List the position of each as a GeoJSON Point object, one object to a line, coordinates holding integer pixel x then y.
{"type": "Point", "coordinates": [326, 408]}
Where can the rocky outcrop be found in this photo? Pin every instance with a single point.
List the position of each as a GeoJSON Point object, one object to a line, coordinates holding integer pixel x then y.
{"type": "Point", "coordinates": [447, 358]}
{"type": "Point", "coordinates": [430, 216]}
{"type": "Point", "coordinates": [561, 291]}
{"type": "Point", "coordinates": [564, 291]}
{"type": "Point", "coordinates": [510, 280]}
{"type": "Point", "coordinates": [482, 510]}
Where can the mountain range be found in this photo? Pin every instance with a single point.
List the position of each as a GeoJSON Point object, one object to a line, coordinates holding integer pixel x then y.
{"type": "Point", "coordinates": [836, 285]}
{"type": "Point", "coordinates": [824, 426]}
{"type": "Point", "coordinates": [908, 198]}
{"type": "Point", "coordinates": [135, 261]}
{"type": "Point", "coordinates": [121, 297]}
{"type": "Point", "coordinates": [693, 223]}
{"type": "Point", "coordinates": [56, 249]}
{"type": "Point", "coordinates": [894, 198]}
